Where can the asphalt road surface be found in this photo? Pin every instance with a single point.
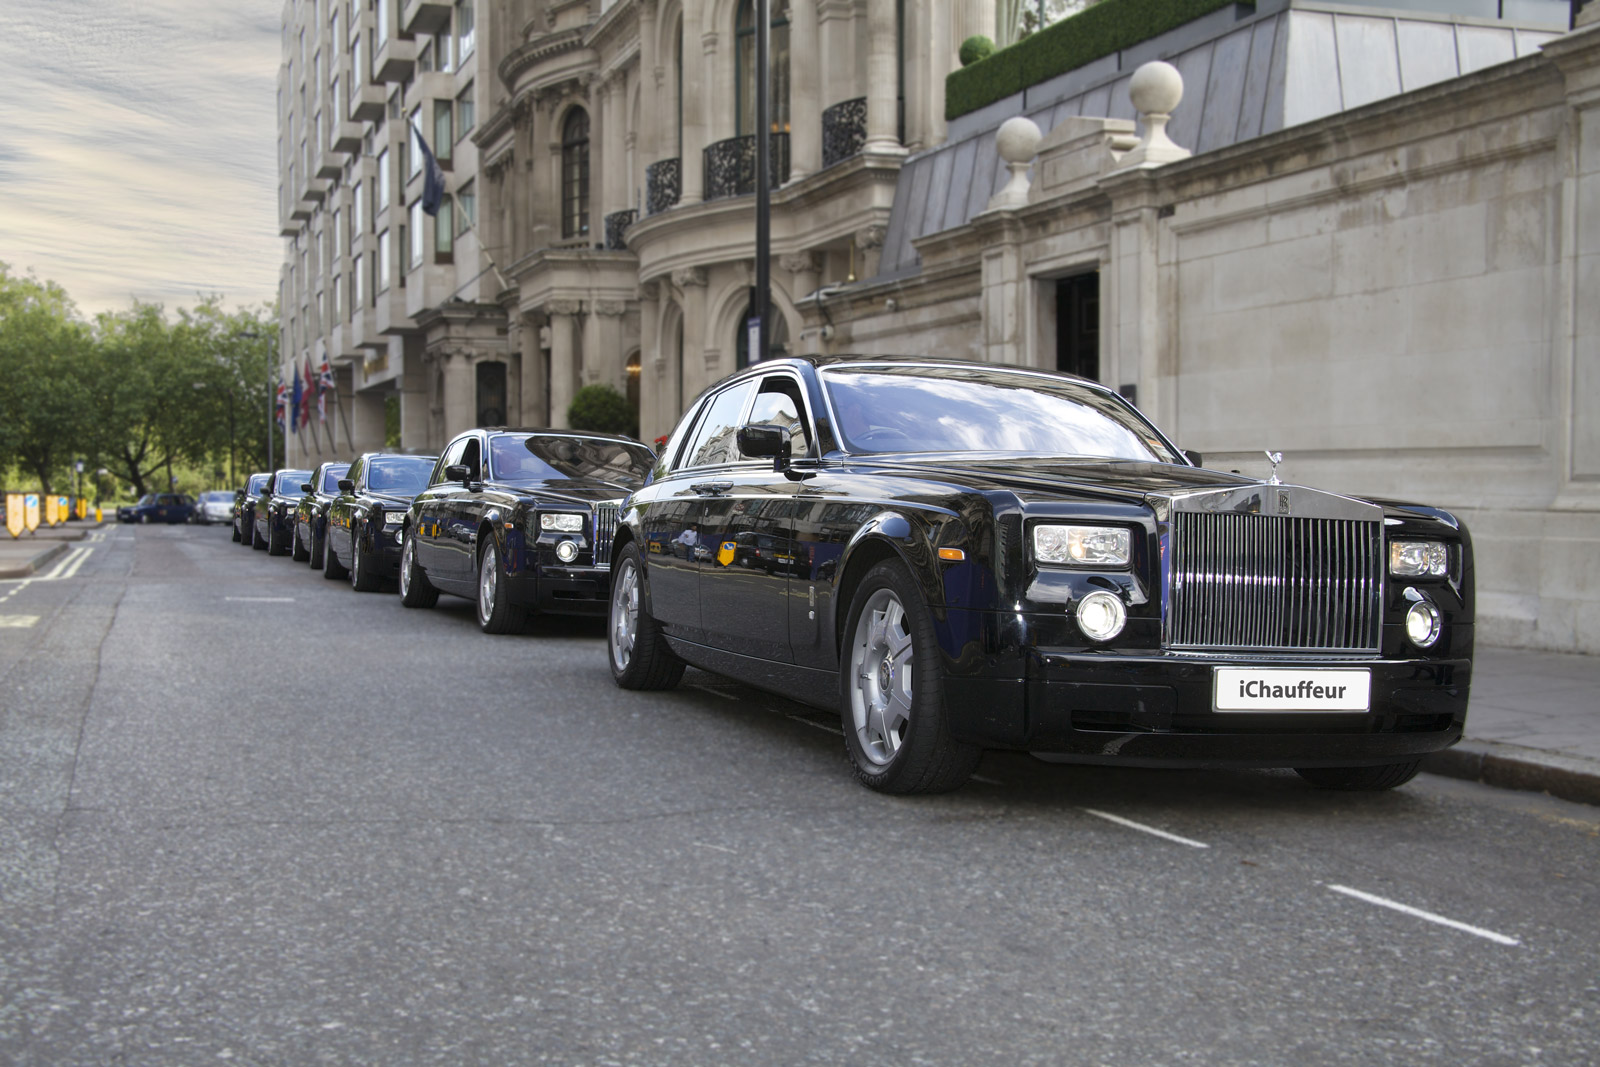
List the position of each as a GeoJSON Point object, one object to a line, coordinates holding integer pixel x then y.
{"type": "Point", "coordinates": [250, 816]}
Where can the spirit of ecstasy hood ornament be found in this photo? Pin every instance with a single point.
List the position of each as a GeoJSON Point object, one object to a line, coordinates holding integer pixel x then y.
{"type": "Point", "coordinates": [1276, 458]}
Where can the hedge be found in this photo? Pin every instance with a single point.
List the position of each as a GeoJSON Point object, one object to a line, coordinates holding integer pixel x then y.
{"type": "Point", "coordinates": [1107, 27]}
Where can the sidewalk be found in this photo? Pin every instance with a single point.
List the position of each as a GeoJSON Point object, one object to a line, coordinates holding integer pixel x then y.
{"type": "Point", "coordinates": [30, 554]}
{"type": "Point", "coordinates": [1534, 720]}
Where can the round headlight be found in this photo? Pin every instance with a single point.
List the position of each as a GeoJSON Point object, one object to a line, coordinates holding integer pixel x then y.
{"type": "Point", "coordinates": [1423, 624]}
{"type": "Point", "coordinates": [566, 551]}
{"type": "Point", "coordinates": [1101, 616]}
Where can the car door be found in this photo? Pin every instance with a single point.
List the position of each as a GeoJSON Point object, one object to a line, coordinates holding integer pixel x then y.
{"type": "Point", "coordinates": [673, 520]}
{"type": "Point", "coordinates": [430, 505]}
{"type": "Point", "coordinates": [458, 516]}
{"type": "Point", "coordinates": [745, 579]}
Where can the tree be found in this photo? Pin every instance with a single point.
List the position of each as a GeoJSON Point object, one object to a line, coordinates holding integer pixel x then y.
{"type": "Point", "coordinates": [44, 347]}
{"type": "Point", "coordinates": [603, 409]}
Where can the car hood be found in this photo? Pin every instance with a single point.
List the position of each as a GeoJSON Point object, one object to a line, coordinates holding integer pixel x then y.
{"type": "Point", "coordinates": [577, 491]}
{"type": "Point", "coordinates": [1129, 480]}
{"type": "Point", "coordinates": [399, 500]}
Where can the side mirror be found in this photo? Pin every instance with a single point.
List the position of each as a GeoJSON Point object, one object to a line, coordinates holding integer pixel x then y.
{"type": "Point", "coordinates": [759, 439]}
{"type": "Point", "coordinates": [346, 485]}
{"type": "Point", "coordinates": [305, 487]}
{"type": "Point", "coordinates": [457, 472]}
{"type": "Point", "coordinates": [1193, 457]}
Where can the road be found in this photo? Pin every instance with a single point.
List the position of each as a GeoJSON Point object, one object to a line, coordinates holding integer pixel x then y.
{"type": "Point", "coordinates": [250, 816]}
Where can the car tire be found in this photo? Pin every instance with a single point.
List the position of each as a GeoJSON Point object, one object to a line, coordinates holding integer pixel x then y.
{"type": "Point", "coordinates": [1361, 779]}
{"type": "Point", "coordinates": [319, 547]}
{"type": "Point", "coordinates": [415, 589]}
{"type": "Point", "coordinates": [257, 542]}
{"type": "Point", "coordinates": [332, 569]}
{"type": "Point", "coordinates": [275, 545]}
{"type": "Point", "coordinates": [296, 553]}
{"type": "Point", "coordinates": [236, 535]}
{"type": "Point", "coordinates": [362, 579]}
{"type": "Point", "coordinates": [892, 692]}
{"type": "Point", "coordinates": [496, 613]}
{"type": "Point", "coordinates": [144, 520]}
{"type": "Point", "coordinates": [639, 654]}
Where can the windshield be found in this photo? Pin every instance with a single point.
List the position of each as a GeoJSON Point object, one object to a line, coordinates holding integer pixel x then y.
{"type": "Point", "coordinates": [146, 500]}
{"type": "Point", "coordinates": [217, 496]}
{"type": "Point", "coordinates": [289, 483]}
{"type": "Point", "coordinates": [401, 475]}
{"type": "Point", "coordinates": [257, 483]}
{"type": "Point", "coordinates": [331, 476]}
{"type": "Point", "coordinates": [963, 409]}
{"type": "Point", "coordinates": [551, 457]}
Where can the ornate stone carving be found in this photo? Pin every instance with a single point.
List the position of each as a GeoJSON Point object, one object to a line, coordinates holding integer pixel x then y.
{"type": "Point", "coordinates": [563, 307]}
{"type": "Point", "coordinates": [686, 277]}
{"type": "Point", "coordinates": [650, 290]}
{"type": "Point", "coordinates": [871, 236]}
{"type": "Point", "coordinates": [708, 43]}
{"type": "Point", "coordinates": [799, 262]}
{"type": "Point", "coordinates": [610, 308]}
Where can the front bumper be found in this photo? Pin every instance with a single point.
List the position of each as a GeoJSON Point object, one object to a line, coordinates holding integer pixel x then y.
{"type": "Point", "coordinates": [1153, 708]}
{"type": "Point", "coordinates": [565, 590]}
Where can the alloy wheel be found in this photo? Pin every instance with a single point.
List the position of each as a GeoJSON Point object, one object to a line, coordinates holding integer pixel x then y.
{"type": "Point", "coordinates": [624, 615]}
{"type": "Point", "coordinates": [488, 586]}
{"type": "Point", "coordinates": [881, 674]}
{"type": "Point", "coordinates": [407, 555]}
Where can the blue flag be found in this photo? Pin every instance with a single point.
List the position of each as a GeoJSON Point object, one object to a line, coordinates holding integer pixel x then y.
{"type": "Point", "coordinates": [432, 176]}
{"type": "Point", "coordinates": [294, 409]}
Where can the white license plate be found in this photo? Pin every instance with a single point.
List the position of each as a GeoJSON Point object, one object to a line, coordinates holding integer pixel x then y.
{"type": "Point", "coordinates": [1279, 689]}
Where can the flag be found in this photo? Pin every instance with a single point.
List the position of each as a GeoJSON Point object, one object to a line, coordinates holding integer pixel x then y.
{"type": "Point", "coordinates": [283, 396]}
{"type": "Point", "coordinates": [325, 385]}
{"type": "Point", "coordinates": [305, 396]}
{"type": "Point", "coordinates": [433, 176]}
{"type": "Point", "coordinates": [294, 406]}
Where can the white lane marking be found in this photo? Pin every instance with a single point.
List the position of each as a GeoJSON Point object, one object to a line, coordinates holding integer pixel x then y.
{"type": "Point", "coordinates": [66, 561]}
{"type": "Point", "coordinates": [1130, 824]}
{"type": "Point", "coordinates": [818, 725]}
{"type": "Point", "coordinates": [1429, 916]}
{"type": "Point", "coordinates": [719, 848]}
{"type": "Point", "coordinates": [72, 568]}
{"type": "Point", "coordinates": [262, 599]}
{"type": "Point", "coordinates": [17, 622]}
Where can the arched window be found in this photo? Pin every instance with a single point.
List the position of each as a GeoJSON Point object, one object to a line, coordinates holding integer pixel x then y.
{"type": "Point", "coordinates": [575, 174]}
{"type": "Point", "coordinates": [778, 59]}
{"type": "Point", "coordinates": [777, 336]}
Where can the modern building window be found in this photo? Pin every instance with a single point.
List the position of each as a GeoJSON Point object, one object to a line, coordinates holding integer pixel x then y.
{"type": "Point", "coordinates": [575, 174]}
{"type": "Point", "coordinates": [322, 141]}
{"type": "Point", "coordinates": [334, 315]}
{"type": "Point", "coordinates": [416, 234]}
{"type": "Point", "coordinates": [444, 47]}
{"type": "Point", "coordinates": [745, 61]}
{"type": "Point", "coordinates": [413, 131]}
{"type": "Point", "coordinates": [358, 291]}
{"type": "Point", "coordinates": [425, 59]}
{"type": "Point", "coordinates": [383, 262]}
{"type": "Point", "coordinates": [466, 35]}
{"type": "Point", "coordinates": [356, 69]}
{"type": "Point", "coordinates": [334, 100]}
{"type": "Point", "coordinates": [383, 182]}
{"type": "Point", "coordinates": [467, 197]}
{"type": "Point", "coordinates": [357, 224]}
{"type": "Point", "coordinates": [466, 113]}
{"type": "Point", "coordinates": [444, 232]}
{"type": "Point", "coordinates": [334, 233]}
{"type": "Point", "coordinates": [443, 115]}
{"type": "Point", "coordinates": [383, 22]}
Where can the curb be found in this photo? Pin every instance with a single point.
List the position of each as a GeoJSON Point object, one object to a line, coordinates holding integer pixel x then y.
{"type": "Point", "coordinates": [32, 567]}
{"type": "Point", "coordinates": [1515, 767]}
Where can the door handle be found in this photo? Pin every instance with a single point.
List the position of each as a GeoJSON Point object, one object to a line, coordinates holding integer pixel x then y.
{"type": "Point", "coordinates": [712, 488]}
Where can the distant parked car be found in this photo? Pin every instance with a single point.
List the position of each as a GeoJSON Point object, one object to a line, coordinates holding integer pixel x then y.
{"type": "Point", "coordinates": [364, 520]}
{"type": "Point", "coordinates": [213, 506]}
{"type": "Point", "coordinates": [125, 512]}
{"type": "Point", "coordinates": [244, 512]}
{"type": "Point", "coordinates": [311, 514]}
{"type": "Point", "coordinates": [274, 512]}
{"type": "Point", "coordinates": [160, 507]}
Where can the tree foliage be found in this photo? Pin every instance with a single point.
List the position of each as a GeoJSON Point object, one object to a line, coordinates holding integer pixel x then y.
{"type": "Point", "coordinates": [603, 409]}
{"type": "Point", "coordinates": [133, 391]}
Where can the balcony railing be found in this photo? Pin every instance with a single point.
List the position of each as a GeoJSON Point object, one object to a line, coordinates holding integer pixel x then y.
{"type": "Point", "coordinates": [663, 184]}
{"type": "Point", "coordinates": [731, 165]}
{"type": "Point", "coordinates": [617, 224]}
{"type": "Point", "coordinates": [844, 130]}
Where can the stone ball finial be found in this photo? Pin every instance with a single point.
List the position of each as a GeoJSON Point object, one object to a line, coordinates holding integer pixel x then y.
{"type": "Point", "coordinates": [1018, 139]}
{"type": "Point", "coordinates": [1156, 88]}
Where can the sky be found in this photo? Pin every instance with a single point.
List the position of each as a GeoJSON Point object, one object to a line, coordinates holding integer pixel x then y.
{"type": "Point", "coordinates": [138, 149]}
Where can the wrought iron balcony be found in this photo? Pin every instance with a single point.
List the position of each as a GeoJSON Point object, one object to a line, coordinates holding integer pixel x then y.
{"type": "Point", "coordinates": [844, 130]}
{"type": "Point", "coordinates": [617, 224]}
{"type": "Point", "coordinates": [731, 165]}
{"type": "Point", "coordinates": [663, 185]}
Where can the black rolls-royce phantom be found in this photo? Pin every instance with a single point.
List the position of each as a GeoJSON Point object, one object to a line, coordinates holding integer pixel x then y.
{"type": "Point", "coordinates": [520, 520]}
{"type": "Point", "coordinates": [980, 556]}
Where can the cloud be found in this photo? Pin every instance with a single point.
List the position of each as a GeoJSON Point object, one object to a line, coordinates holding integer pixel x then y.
{"type": "Point", "coordinates": [138, 149]}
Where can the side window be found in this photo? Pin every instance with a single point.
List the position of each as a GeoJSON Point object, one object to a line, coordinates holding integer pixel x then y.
{"type": "Point", "coordinates": [357, 469]}
{"type": "Point", "coordinates": [473, 459]}
{"type": "Point", "coordinates": [713, 440]}
{"type": "Point", "coordinates": [452, 456]}
{"type": "Point", "coordinates": [778, 403]}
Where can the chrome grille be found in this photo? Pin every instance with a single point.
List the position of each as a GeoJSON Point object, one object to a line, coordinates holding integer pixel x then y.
{"type": "Point", "coordinates": [1265, 582]}
{"type": "Point", "coordinates": [605, 527]}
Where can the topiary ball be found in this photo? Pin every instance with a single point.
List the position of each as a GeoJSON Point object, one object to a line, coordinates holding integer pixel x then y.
{"type": "Point", "coordinates": [975, 48]}
{"type": "Point", "coordinates": [602, 408]}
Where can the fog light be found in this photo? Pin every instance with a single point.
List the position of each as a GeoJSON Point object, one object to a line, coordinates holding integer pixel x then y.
{"type": "Point", "coordinates": [1423, 624]}
{"type": "Point", "coordinates": [1101, 616]}
{"type": "Point", "coordinates": [566, 552]}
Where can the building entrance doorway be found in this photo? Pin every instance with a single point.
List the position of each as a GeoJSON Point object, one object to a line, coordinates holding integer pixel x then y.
{"type": "Point", "coordinates": [1078, 325]}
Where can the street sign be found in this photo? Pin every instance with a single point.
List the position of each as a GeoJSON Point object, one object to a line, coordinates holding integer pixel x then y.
{"type": "Point", "coordinates": [30, 511]}
{"type": "Point", "coordinates": [14, 517]}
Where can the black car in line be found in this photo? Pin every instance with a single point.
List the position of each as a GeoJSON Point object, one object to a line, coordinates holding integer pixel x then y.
{"type": "Point", "coordinates": [244, 511]}
{"type": "Point", "coordinates": [311, 514]}
{"type": "Point", "coordinates": [364, 520]}
{"type": "Point", "coordinates": [996, 557]}
{"type": "Point", "coordinates": [274, 510]}
{"type": "Point", "coordinates": [520, 521]}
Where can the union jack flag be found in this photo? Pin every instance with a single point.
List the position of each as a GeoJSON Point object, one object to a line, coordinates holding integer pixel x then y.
{"type": "Point", "coordinates": [283, 401]}
{"type": "Point", "coordinates": [325, 385]}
